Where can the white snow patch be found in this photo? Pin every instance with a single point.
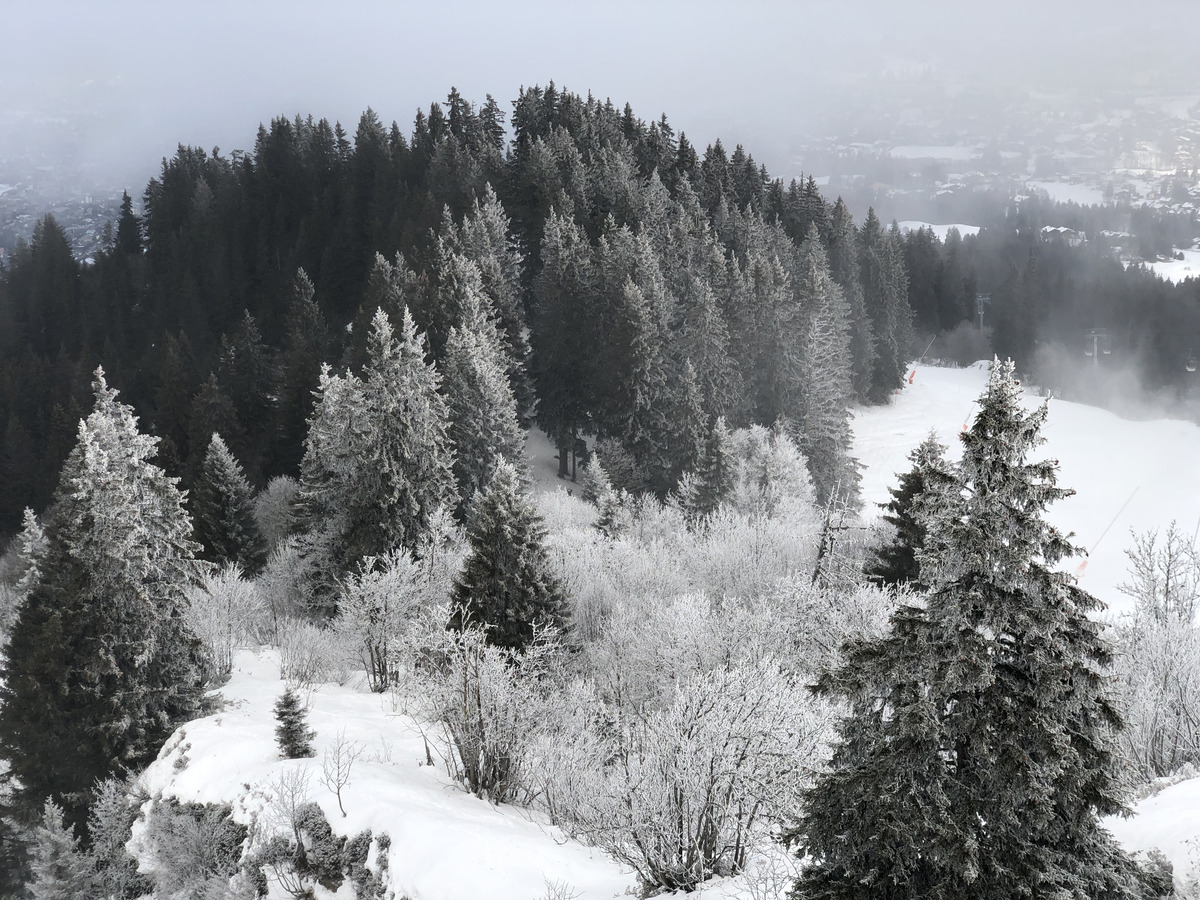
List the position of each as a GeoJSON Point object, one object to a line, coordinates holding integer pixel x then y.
{"type": "Point", "coordinates": [1177, 270]}
{"type": "Point", "coordinates": [940, 230]}
{"type": "Point", "coordinates": [1170, 821]}
{"type": "Point", "coordinates": [1070, 192]}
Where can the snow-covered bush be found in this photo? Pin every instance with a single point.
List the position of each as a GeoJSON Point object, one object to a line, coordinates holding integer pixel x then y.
{"type": "Point", "coordinates": [487, 702]}
{"type": "Point", "coordinates": [769, 472]}
{"type": "Point", "coordinates": [1158, 664]}
{"type": "Point", "coordinates": [377, 603]}
{"type": "Point", "coordinates": [227, 612]}
{"type": "Point", "coordinates": [296, 848]}
{"type": "Point", "coordinates": [688, 790]}
{"type": "Point", "coordinates": [651, 643]}
{"type": "Point", "coordinates": [310, 654]}
{"type": "Point", "coordinates": [273, 509]}
{"type": "Point", "coordinates": [191, 849]}
{"type": "Point", "coordinates": [283, 585]}
{"type": "Point", "coordinates": [736, 554]}
{"type": "Point", "coordinates": [822, 619]}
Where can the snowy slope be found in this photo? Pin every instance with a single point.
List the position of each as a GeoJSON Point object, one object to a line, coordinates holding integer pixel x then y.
{"type": "Point", "coordinates": [446, 844]}
{"type": "Point", "coordinates": [1169, 821]}
{"type": "Point", "coordinates": [1152, 466]}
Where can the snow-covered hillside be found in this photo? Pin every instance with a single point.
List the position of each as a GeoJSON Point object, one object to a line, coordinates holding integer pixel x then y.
{"type": "Point", "coordinates": [1126, 474]}
{"type": "Point", "coordinates": [445, 843]}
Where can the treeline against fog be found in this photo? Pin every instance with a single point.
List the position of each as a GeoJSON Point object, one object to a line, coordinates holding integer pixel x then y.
{"type": "Point", "coordinates": [643, 288]}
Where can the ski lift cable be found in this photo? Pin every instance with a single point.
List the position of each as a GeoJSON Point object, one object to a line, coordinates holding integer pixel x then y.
{"type": "Point", "coordinates": [1114, 520]}
{"type": "Point", "coordinates": [1083, 565]}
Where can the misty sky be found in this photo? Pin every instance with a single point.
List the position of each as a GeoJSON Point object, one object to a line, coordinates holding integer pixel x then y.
{"type": "Point", "coordinates": [152, 75]}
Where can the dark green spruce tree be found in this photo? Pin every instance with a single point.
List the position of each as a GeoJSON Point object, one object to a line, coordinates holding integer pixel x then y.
{"type": "Point", "coordinates": [506, 585]}
{"type": "Point", "coordinates": [223, 511]}
{"type": "Point", "coordinates": [292, 733]}
{"type": "Point", "coordinates": [101, 666]}
{"type": "Point", "coordinates": [977, 756]}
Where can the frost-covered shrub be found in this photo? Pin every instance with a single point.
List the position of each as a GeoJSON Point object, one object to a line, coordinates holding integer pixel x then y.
{"type": "Point", "coordinates": [688, 790]}
{"type": "Point", "coordinates": [650, 644]}
{"type": "Point", "coordinates": [227, 612]}
{"type": "Point", "coordinates": [309, 654]}
{"type": "Point", "coordinates": [273, 509]}
{"type": "Point", "coordinates": [375, 605]}
{"type": "Point", "coordinates": [769, 472]}
{"type": "Point", "coordinates": [821, 619]}
{"type": "Point", "coordinates": [1158, 661]}
{"type": "Point", "coordinates": [488, 702]}
{"type": "Point", "coordinates": [381, 606]}
{"type": "Point", "coordinates": [283, 585]}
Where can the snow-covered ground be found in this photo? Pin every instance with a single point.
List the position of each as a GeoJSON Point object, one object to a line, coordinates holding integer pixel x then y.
{"type": "Point", "coordinates": [446, 844]}
{"type": "Point", "coordinates": [940, 230]}
{"type": "Point", "coordinates": [1070, 192]}
{"type": "Point", "coordinates": [1126, 474]}
{"type": "Point", "coordinates": [1169, 821]}
{"type": "Point", "coordinates": [1178, 270]}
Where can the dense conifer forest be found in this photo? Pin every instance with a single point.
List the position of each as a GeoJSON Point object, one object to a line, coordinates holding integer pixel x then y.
{"type": "Point", "coordinates": [640, 286]}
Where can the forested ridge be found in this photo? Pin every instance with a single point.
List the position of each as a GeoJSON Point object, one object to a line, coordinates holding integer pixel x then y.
{"type": "Point", "coordinates": [288, 407]}
{"type": "Point", "coordinates": [612, 253]}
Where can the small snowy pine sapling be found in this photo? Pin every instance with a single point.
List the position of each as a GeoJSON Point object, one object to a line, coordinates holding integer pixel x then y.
{"type": "Point", "coordinates": [292, 733]}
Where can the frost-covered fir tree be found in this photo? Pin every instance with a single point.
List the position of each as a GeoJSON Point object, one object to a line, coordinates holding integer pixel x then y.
{"type": "Point", "coordinates": [896, 561]}
{"type": "Point", "coordinates": [885, 299]}
{"type": "Point", "coordinates": [60, 869]}
{"type": "Point", "coordinates": [506, 585]}
{"type": "Point", "coordinates": [377, 460]}
{"type": "Point", "coordinates": [223, 511]}
{"type": "Point", "coordinates": [483, 411]}
{"type": "Point", "coordinates": [711, 483]}
{"type": "Point", "coordinates": [101, 665]}
{"type": "Point", "coordinates": [978, 755]}
{"type": "Point", "coordinates": [484, 237]}
{"type": "Point", "coordinates": [822, 408]}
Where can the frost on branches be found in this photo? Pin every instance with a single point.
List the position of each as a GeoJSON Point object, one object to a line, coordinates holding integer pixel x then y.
{"type": "Point", "coordinates": [101, 665]}
{"type": "Point", "coordinates": [978, 754]}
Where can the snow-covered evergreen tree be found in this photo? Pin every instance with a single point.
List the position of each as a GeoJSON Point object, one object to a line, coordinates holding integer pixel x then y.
{"type": "Point", "coordinates": [377, 462]}
{"type": "Point", "coordinates": [896, 561]}
{"type": "Point", "coordinates": [885, 299]}
{"type": "Point", "coordinates": [978, 753]}
{"type": "Point", "coordinates": [822, 407]}
{"type": "Point", "coordinates": [292, 733]}
{"type": "Point", "coordinates": [482, 408]}
{"type": "Point", "coordinates": [484, 237]}
{"type": "Point", "coordinates": [101, 666]}
{"type": "Point", "coordinates": [223, 511]}
{"type": "Point", "coordinates": [60, 868]}
{"type": "Point", "coordinates": [704, 489]}
{"type": "Point", "coordinates": [506, 585]}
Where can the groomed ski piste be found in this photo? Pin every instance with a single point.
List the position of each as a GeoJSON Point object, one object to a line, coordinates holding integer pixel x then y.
{"type": "Point", "coordinates": [447, 844]}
